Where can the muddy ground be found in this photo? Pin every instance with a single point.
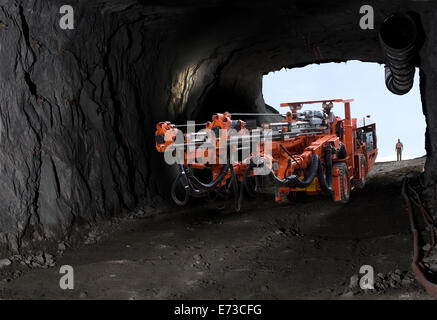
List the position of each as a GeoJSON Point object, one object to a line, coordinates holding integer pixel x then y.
{"type": "Point", "coordinates": [305, 250]}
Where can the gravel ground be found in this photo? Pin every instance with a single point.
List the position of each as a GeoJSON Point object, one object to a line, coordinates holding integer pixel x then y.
{"type": "Point", "coordinates": [311, 249]}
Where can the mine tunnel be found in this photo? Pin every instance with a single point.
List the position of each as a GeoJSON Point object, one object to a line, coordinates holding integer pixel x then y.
{"type": "Point", "coordinates": [79, 106]}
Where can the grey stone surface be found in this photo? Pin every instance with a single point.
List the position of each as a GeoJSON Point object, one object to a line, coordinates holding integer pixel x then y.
{"type": "Point", "coordinates": [78, 107]}
{"type": "Point", "coordinates": [5, 263]}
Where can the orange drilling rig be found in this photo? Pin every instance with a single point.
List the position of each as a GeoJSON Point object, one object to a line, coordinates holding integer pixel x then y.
{"type": "Point", "coordinates": [307, 152]}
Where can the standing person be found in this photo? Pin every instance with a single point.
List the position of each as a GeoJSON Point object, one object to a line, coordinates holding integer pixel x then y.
{"type": "Point", "coordinates": [399, 148]}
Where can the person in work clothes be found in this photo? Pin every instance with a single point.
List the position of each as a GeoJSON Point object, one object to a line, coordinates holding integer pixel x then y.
{"type": "Point", "coordinates": [399, 148]}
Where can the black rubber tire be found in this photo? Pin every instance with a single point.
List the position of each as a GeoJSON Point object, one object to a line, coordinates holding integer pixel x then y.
{"type": "Point", "coordinates": [344, 174]}
{"type": "Point", "coordinates": [360, 183]}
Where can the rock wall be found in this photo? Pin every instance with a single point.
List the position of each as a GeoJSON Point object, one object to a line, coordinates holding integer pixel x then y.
{"type": "Point", "coordinates": [78, 107]}
{"type": "Point", "coordinates": [428, 85]}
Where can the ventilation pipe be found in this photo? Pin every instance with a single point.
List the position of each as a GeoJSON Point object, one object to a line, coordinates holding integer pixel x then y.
{"type": "Point", "coordinates": [398, 35]}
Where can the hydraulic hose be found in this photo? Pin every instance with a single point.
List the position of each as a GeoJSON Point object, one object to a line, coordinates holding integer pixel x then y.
{"type": "Point", "coordinates": [234, 183]}
{"type": "Point", "coordinates": [341, 152]}
{"type": "Point", "coordinates": [325, 182]}
{"type": "Point", "coordinates": [182, 179]}
{"type": "Point", "coordinates": [397, 36]}
{"type": "Point", "coordinates": [193, 186]}
{"type": "Point", "coordinates": [293, 181]}
{"type": "Point", "coordinates": [208, 186]}
{"type": "Point", "coordinates": [316, 169]}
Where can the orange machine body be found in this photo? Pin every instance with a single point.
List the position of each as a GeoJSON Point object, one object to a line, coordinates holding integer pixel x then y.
{"type": "Point", "coordinates": [290, 154]}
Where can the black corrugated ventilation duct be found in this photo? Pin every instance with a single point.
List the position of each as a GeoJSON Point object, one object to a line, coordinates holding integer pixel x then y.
{"type": "Point", "coordinates": [398, 35]}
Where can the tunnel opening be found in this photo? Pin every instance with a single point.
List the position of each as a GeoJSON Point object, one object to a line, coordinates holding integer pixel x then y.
{"type": "Point", "coordinates": [396, 117]}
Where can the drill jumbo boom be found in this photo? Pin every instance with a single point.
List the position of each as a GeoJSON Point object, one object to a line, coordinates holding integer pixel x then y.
{"type": "Point", "coordinates": [307, 152]}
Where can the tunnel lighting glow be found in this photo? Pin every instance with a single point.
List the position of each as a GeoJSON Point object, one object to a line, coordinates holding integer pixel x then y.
{"type": "Point", "coordinates": [181, 87]}
{"type": "Point", "coordinates": [395, 116]}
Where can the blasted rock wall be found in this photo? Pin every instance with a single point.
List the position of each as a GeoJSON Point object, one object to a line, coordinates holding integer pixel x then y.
{"type": "Point", "coordinates": [428, 90]}
{"type": "Point", "coordinates": [78, 110]}
{"type": "Point", "coordinates": [68, 152]}
{"type": "Point", "coordinates": [78, 107]}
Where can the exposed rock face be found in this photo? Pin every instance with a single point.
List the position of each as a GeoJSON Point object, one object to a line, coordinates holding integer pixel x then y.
{"type": "Point", "coordinates": [78, 107]}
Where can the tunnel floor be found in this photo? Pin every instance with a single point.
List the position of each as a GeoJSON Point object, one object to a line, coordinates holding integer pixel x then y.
{"type": "Point", "coordinates": [305, 250]}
